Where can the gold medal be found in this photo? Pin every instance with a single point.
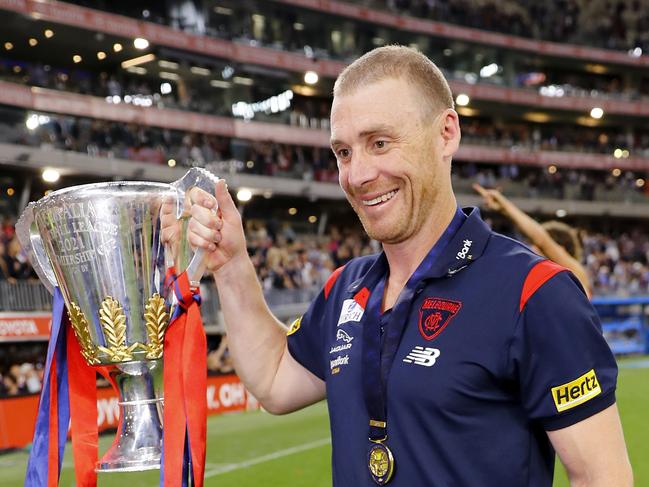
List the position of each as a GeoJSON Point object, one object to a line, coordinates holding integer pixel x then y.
{"type": "Point", "coordinates": [381, 463]}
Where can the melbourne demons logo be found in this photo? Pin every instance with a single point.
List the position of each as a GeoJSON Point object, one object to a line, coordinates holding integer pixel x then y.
{"type": "Point", "coordinates": [435, 314]}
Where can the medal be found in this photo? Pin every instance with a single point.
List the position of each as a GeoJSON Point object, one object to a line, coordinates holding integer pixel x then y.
{"type": "Point", "coordinates": [381, 463]}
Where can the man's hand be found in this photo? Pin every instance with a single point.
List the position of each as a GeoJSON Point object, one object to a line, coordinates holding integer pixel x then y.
{"type": "Point", "coordinates": [215, 226]}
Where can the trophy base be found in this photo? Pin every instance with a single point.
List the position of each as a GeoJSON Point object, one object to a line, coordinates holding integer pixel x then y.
{"type": "Point", "coordinates": [132, 461]}
{"type": "Point", "coordinates": [138, 443]}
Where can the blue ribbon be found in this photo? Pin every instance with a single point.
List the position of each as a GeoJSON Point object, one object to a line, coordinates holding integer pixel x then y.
{"type": "Point", "coordinates": [38, 464]}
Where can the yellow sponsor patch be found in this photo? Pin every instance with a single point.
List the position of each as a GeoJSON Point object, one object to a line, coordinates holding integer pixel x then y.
{"type": "Point", "coordinates": [295, 326]}
{"type": "Point", "coordinates": [578, 391]}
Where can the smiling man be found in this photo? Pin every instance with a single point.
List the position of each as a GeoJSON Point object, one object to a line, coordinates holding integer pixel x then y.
{"type": "Point", "coordinates": [456, 357]}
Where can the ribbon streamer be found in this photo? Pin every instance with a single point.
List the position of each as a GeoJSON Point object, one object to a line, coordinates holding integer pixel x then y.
{"type": "Point", "coordinates": [185, 384]}
{"type": "Point", "coordinates": [50, 434]}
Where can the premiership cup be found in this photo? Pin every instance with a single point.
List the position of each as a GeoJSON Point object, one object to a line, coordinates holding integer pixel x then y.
{"type": "Point", "coordinates": [100, 244]}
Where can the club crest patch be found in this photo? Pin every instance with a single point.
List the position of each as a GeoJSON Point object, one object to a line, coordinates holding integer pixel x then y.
{"type": "Point", "coordinates": [435, 314]}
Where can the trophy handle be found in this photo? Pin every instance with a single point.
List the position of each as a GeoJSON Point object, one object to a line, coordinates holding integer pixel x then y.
{"type": "Point", "coordinates": [31, 241]}
{"type": "Point", "coordinates": [205, 180]}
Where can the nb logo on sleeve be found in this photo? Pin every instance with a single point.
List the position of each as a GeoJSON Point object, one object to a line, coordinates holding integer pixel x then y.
{"type": "Point", "coordinates": [422, 356]}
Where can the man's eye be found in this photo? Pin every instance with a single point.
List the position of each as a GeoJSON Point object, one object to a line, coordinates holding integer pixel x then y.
{"type": "Point", "coordinates": [380, 144]}
{"type": "Point", "coordinates": [343, 153]}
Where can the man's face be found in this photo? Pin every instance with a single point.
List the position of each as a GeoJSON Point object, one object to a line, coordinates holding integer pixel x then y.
{"type": "Point", "coordinates": [389, 158]}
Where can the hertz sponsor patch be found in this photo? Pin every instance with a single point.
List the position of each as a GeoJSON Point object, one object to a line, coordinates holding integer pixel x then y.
{"type": "Point", "coordinates": [576, 392]}
{"type": "Point", "coordinates": [295, 326]}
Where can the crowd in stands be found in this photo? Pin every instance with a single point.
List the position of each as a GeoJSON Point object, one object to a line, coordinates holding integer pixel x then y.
{"type": "Point", "coordinates": [21, 368]}
{"type": "Point", "coordinates": [226, 155]}
{"type": "Point", "coordinates": [621, 24]}
{"type": "Point", "coordinates": [617, 24]}
{"type": "Point", "coordinates": [619, 265]}
{"type": "Point", "coordinates": [14, 265]}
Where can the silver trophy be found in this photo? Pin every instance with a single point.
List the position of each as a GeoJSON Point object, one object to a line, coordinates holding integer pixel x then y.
{"type": "Point", "coordinates": [100, 244]}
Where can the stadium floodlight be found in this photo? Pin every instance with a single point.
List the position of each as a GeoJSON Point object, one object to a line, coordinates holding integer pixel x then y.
{"type": "Point", "coordinates": [217, 83]}
{"type": "Point", "coordinates": [50, 175]}
{"type": "Point", "coordinates": [77, 59]}
{"type": "Point", "coordinates": [49, 33]}
{"type": "Point", "coordinates": [168, 64]}
{"type": "Point", "coordinates": [101, 55]}
{"type": "Point", "coordinates": [171, 163]}
{"type": "Point", "coordinates": [462, 99]}
{"type": "Point", "coordinates": [635, 52]}
{"type": "Point", "coordinates": [140, 43]}
{"type": "Point", "coordinates": [561, 213]}
{"type": "Point", "coordinates": [311, 77]}
{"type": "Point", "coordinates": [489, 70]}
{"type": "Point", "coordinates": [200, 71]}
{"type": "Point", "coordinates": [292, 211]}
{"type": "Point", "coordinates": [597, 113]}
{"type": "Point", "coordinates": [32, 122]}
{"type": "Point", "coordinates": [640, 182]}
{"type": "Point", "coordinates": [9, 46]}
{"type": "Point", "coordinates": [244, 195]}
{"type": "Point", "coordinates": [242, 80]}
{"type": "Point", "coordinates": [33, 41]}
{"type": "Point", "coordinates": [117, 47]}
{"type": "Point", "coordinates": [165, 88]}
{"type": "Point", "coordinates": [136, 61]}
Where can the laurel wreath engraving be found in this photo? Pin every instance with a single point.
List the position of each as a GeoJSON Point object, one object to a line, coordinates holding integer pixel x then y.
{"type": "Point", "coordinates": [82, 332]}
{"type": "Point", "coordinates": [113, 322]}
{"type": "Point", "coordinates": [156, 319]}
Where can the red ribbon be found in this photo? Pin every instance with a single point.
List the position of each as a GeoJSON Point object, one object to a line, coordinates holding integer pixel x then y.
{"type": "Point", "coordinates": [185, 384]}
{"type": "Point", "coordinates": [82, 380]}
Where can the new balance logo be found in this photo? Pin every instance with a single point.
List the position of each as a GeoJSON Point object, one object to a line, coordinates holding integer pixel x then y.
{"type": "Point", "coordinates": [422, 356]}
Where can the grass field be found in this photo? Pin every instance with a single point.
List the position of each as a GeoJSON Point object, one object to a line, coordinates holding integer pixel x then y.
{"type": "Point", "coordinates": [257, 449]}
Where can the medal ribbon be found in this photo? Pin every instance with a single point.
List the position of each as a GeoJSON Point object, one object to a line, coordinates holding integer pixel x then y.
{"type": "Point", "coordinates": [382, 332]}
{"type": "Point", "coordinates": [185, 385]}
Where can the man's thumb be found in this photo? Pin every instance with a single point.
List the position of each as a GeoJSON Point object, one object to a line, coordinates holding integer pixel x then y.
{"type": "Point", "coordinates": [223, 198]}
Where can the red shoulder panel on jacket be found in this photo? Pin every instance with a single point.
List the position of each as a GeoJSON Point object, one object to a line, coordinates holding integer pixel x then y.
{"type": "Point", "coordinates": [332, 280]}
{"type": "Point", "coordinates": [538, 275]}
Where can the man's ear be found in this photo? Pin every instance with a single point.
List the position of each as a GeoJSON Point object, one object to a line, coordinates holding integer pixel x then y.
{"type": "Point", "coordinates": [450, 131]}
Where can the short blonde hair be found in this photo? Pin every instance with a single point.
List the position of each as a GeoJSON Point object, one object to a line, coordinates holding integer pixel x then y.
{"type": "Point", "coordinates": [398, 62]}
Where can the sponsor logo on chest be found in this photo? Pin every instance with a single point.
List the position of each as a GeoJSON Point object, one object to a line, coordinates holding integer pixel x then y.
{"type": "Point", "coordinates": [351, 311]}
{"type": "Point", "coordinates": [338, 362]}
{"type": "Point", "coordinates": [424, 356]}
{"type": "Point", "coordinates": [343, 341]}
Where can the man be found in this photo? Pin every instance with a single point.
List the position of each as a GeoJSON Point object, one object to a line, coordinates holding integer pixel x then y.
{"type": "Point", "coordinates": [454, 358]}
{"type": "Point", "coordinates": [556, 240]}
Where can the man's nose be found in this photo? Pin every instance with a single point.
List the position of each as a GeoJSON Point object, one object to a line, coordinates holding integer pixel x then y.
{"type": "Point", "coordinates": [362, 170]}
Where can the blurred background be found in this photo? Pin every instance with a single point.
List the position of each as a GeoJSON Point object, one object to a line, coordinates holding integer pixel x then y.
{"type": "Point", "coordinates": [553, 100]}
